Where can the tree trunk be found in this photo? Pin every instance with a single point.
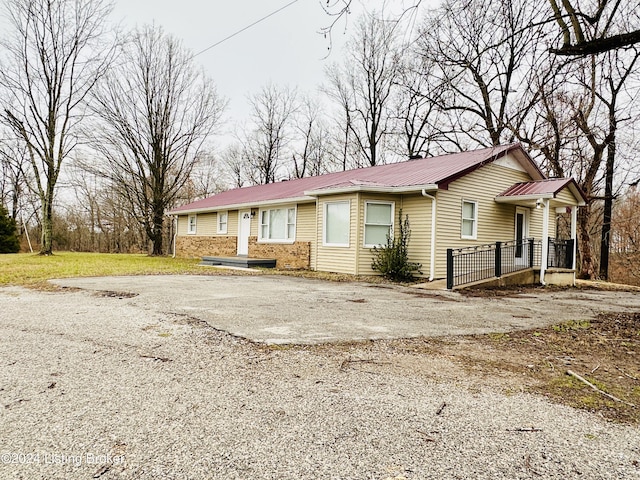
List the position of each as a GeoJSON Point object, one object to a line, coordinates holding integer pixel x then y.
{"type": "Point", "coordinates": [587, 268]}
{"type": "Point", "coordinates": [608, 207]}
{"type": "Point", "coordinates": [46, 244]}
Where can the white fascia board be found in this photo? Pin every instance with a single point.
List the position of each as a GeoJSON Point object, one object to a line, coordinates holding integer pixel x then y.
{"type": "Point", "coordinates": [240, 206]}
{"type": "Point", "coordinates": [370, 189]}
{"type": "Point", "coordinates": [521, 198]}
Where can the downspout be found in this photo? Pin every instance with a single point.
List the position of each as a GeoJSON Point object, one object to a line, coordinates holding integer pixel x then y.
{"type": "Point", "coordinates": [175, 234]}
{"type": "Point", "coordinates": [432, 260]}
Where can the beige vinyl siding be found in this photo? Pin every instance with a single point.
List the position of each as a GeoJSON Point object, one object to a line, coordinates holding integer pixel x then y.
{"type": "Point", "coordinates": [306, 226]}
{"type": "Point", "coordinates": [232, 224]}
{"type": "Point", "coordinates": [565, 197]}
{"type": "Point", "coordinates": [205, 224]}
{"type": "Point", "coordinates": [418, 208]}
{"type": "Point", "coordinates": [337, 259]}
{"type": "Point", "coordinates": [495, 220]}
{"type": "Point", "coordinates": [182, 224]}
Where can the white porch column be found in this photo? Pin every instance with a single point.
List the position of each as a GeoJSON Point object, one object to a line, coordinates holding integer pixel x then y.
{"type": "Point", "coordinates": [574, 236]}
{"type": "Point", "coordinates": [545, 239]}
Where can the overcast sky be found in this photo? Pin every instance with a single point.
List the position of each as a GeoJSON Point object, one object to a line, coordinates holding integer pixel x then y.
{"type": "Point", "coordinates": [285, 49]}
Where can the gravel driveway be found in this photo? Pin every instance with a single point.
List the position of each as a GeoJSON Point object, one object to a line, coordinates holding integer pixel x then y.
{"type": "Point", "coordinates": [110, 387]}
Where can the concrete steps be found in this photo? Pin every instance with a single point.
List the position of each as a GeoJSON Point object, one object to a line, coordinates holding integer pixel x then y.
{"type": "Point", "coordinates": [241, 262]}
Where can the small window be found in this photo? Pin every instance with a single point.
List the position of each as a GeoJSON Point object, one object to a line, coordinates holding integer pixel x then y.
{"type": "Point", "coordinates": [378, 223]}
{"type": "Point", "coordinates": [223, 219]}
{"type": "Point", "coordinates": [191, 224]}
{"type": "Point", "coordinates": [337, 221]}
{"type": "Point", "coordinates": [278, 225]}
{"type": "Point", "coordinates": [469, 219]}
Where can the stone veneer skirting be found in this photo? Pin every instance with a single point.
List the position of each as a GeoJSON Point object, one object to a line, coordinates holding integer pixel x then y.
{"type": "Point", "coordinates": [295, 255]}
{"type": "Point", "coordinates": [201, 246]}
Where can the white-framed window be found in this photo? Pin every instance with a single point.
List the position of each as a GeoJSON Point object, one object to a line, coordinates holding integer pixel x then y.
{"type": "Point", "coordinates": [378, 222]}
{"type": "Point", "coordinates": [278, 225]}
{"type": "Point", "coordinates": [469, 219]}
{"type": "Point", "coordinates": [223, 220]}
{"type": "Point", "coordinates": [337, 223]}
{"type": "Point", "coordinates": [191, 224]}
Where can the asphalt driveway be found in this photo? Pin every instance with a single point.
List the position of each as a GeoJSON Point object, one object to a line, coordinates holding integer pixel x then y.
{"type": "Point", "coordinates": [281, 310]}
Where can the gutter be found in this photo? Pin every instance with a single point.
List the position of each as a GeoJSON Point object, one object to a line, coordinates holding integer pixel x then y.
{"type": "Point", "coordinates": [432, 260]}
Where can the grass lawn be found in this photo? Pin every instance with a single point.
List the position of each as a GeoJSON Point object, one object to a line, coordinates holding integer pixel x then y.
{"type": "Point", "coordinates": [34, 270]}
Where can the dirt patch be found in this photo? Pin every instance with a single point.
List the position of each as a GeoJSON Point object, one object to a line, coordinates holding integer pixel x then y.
{"type": "Point", "coordinates": [112, 294]}
{"type": "Point", "coordinates": [604, 351]}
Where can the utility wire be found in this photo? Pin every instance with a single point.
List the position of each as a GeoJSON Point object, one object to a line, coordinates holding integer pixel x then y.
{"type": "Point", "coordinates": [245, 28]}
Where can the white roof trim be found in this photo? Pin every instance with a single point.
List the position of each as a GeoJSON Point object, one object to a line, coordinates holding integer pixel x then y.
{"type": "Point", "coordinates": [521, 198]}
{"type": "Point", "coordinates": [370, 188]}
{"type": "Point", "coordinates": [239, 206]}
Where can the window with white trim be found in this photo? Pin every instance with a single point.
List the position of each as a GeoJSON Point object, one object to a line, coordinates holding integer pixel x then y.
{"type": "Point", "coordinates": [278, 225]}
{"type": "Point", "coordinates": [223, 220]}
{"type": "Point", "coordinates": [191, 224]}
{"type": "Point", "coordinates": [469, 219]}
{"type": "Point", "coordinates": [378, 223]}
{"type": "Point", "coordinates": [336, 225]}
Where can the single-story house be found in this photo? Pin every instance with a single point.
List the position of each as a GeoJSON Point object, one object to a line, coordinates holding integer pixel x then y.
{"type": "Point", "coordinates": [331, 222]}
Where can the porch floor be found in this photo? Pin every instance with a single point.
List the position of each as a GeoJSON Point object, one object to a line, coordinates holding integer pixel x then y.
{"type": "Point", "coordinates": [240, 261]}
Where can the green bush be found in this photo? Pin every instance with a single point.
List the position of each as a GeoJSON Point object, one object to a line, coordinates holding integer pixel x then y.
{"type": "Point", "coordinates": [9, 242]}
{"type": "Point", "coordinates": [392, 259]}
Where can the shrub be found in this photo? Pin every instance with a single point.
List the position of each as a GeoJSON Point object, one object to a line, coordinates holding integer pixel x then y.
{"type": "Point", "coordinates": [9, 242]}
{"type": "Point", "coordinates": [392, 259]}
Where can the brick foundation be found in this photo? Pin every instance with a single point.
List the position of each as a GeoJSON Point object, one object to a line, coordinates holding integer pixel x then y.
{"type": "Point", "coordinates": [200, 246]}
{"type": "Point", "coordinates": [288, 256]}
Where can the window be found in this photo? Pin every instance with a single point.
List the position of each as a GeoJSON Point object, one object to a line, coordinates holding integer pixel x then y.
{"type": "Point", "coordinates": [223, 218]}
{"type": "Point", "coordinates": [278, 225]}
{"type": "Point", "coordinates": [469, 219]}
{"type": "Point", "coordinates": [337, 217]}
{"type": "Point", "coordinates": [378, 223]}
{"type": "Point", "coordinates": [191, 224]}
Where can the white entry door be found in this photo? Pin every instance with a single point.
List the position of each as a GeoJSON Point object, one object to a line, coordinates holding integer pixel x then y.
{"type": "Point", "coordinates": [244, 230]}
{"type": "Point", "coordinates": [521, 234]}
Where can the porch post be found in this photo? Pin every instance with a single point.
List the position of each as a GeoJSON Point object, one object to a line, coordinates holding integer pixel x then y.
{"type": "Point", "coordinates": [545, 240]}
{"type": "Point", "coordinates": [574, 221]}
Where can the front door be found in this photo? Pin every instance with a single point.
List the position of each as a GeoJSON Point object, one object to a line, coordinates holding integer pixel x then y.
{"type": "Point", "coordinates": [244, 230]}
{"type": "Point", "coordinates": [522, 232]}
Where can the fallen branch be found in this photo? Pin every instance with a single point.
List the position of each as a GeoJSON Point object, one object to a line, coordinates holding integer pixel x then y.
{"type": "Point", "coordinates": [626, 374]}
{"type": "Point", "coordinates": [157, 359]}
{"type": "Point", "coordinates": [596, 368]}
{"type": "Point", "coordinates": [439, 412]}
{"type": "Point", "coordinates": [591, 385]}
{"type": "Point", "coordinates": [525, 429]}
{"type": "Point", "coordinates": [347, 361]}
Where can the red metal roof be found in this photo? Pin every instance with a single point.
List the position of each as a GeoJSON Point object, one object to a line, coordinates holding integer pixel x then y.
{"type": "Point", "coordinates": [547, 187]}
{"type": "Point", "coordinates": [419, 172]}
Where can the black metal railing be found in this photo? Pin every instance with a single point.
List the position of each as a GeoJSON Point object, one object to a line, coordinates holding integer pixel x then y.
{"type": "Point", "coordinates": [560, 253]}
{"type": "Point", "coordinates": [472, 264]}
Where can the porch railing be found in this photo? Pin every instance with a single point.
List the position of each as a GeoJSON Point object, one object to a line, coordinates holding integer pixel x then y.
{"type": "Point", "coordinates": [560, 253]}
{"type": "Point", "coordinates": [472, 264]}
{"type": "Point", "coordinates": [481, 262]}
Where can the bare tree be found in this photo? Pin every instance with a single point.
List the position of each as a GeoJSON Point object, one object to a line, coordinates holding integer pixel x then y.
{"type": "Point", "coordinates": [14, 166]}
{"type": "Point", "coordinates": [363, 85]}
{"type": "Point", "coordinates": [53, 58]}
{"type": "Point", "coordinates": [483, 51]}
{"type": "Point", "coordinates": [156, 110]}
{"type": "Point", "coordinates": [595, 27]}
{"type": "Point", "coordinates": [312, 150]}
{"type": "Point", "coordinates": [264, 145]}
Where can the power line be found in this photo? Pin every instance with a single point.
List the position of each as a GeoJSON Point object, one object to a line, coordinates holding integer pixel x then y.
{"type": "Point", "coordinates": [245, 28]}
